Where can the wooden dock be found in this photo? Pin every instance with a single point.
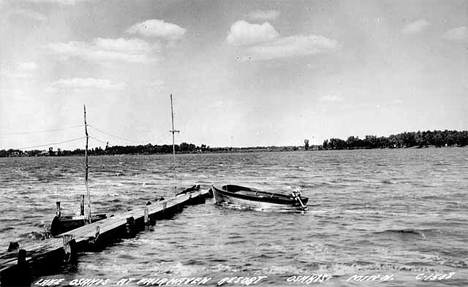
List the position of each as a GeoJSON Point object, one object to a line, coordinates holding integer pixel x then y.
{"type": "Point", "coordinates": [19, 266]}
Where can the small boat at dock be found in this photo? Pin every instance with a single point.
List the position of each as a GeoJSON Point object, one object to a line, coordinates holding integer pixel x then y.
{"type": "Point", "coordinates": [249, 198]}
{"type": "Point", "coordinates": [61, 224]}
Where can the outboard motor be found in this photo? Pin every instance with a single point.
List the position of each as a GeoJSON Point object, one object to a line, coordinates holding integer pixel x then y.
{"type": "Point", "coordinates": [296, 195]}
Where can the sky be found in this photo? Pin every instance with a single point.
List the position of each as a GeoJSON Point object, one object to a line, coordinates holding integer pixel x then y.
{"type": "Point", "coordinates": [242, 73]}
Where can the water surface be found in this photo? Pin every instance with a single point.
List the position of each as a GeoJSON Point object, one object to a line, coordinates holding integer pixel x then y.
{"type": "Point", "coordinates": [397, 213]}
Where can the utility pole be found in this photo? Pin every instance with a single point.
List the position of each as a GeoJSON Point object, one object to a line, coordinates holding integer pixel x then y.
{"type": "Point", "coordinates": [173, 131]}
{"type": "Point", "coordinates": [87, 166]}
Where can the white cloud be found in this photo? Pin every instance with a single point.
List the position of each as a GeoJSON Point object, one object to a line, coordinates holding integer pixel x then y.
{"type": "Point", "coordinates": [415, 27]}
{"type": "Point", "coordinates": [244, 33]}
{"type": "Point", "coordinates": [104, 50]}
{"type": "Point", "coordinates": [129, 46]}
{"type": "Point", "coordinates": [292, 46]}
{"type": "Point", "coordinates": [330, 99]}
{"type": "Point", "coordinates": [157, 29]}
{"type": "Point", "coordinates": [262, 42]}
{"type": "Point", "coordinates": [29, 14]}
{"type": "Point", "coordinates": [264, 15]}
{"type": "Point", "coordinates": [84, 85]}
{"type": "Point", "coordinates": [457, 34]}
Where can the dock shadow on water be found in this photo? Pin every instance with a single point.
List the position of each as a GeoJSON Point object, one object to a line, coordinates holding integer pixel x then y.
{"type": "Point", "coordinates": [392, 217]}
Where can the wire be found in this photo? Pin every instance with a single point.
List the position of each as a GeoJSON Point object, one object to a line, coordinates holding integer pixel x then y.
{"type": "Point", "coordinates": [161, 138]}
{"type": "Point", "coordinates": [44, 131]}
{"type": "Point", "coordinates": [113, 135]}
{"type": "Point", "coordinates": [56, 143]}
{"type": "Point", "coordinates": [158, 140]}
{"type": "Point", "coordinates": [101, 141]}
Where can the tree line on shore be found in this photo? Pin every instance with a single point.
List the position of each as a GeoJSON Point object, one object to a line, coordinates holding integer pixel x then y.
{"type": "Point", "coordinates": [403, 140]}
{"type": "Point", "coordinates": [111, 150]}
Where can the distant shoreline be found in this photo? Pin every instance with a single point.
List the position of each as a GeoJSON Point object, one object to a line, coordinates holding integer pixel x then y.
{"type": "Point", "coordinates": [223, 151]}
{"type": "Point", "coordinates": [418, 139]}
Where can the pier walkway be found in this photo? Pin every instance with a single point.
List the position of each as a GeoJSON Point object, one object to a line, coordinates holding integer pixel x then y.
{"type": "Point", "coordinates": [17, 267]}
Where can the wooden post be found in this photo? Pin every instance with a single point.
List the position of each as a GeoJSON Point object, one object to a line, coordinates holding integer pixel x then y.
{"type": "Point", "coordinates": [21, 257]}
{"type": "Point", "coordinates": [146, 219]}
{"type": "Point", "coordinates": [19, 275]}
{"type": "Point", "coordinates": [24, 272]}
{"type": "Point", "coordinates": [57, 209]}
{"type": "Point", "coordinates": [98, 232]}
{"type": "Point", "coordinates": [93, 240]}
{"type": "Point", "coordinates": [130, 228]}
{"type": "Point", "coordinates": [68, 247]}
{"type": "Point", "coordinates": [82, 204]}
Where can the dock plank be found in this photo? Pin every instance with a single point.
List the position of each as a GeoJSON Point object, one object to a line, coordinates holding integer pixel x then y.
{"type": "Point", "coordinates": [40, 250]}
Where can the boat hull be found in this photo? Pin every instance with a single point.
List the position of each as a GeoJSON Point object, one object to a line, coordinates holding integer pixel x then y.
{"type": "Point", "coordinates": [247, 198]}
{"type": "Point", "coordinates": [64, 224]}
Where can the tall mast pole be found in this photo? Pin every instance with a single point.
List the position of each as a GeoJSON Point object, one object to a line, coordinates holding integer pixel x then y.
{"type": "Point", "coordinates": [87, 166]}
{"type": "Point", "coordinates": [173, 131]}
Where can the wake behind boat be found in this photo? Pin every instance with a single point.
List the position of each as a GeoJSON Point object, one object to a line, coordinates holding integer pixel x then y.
{"type": "Point", "coordinates": [249, 198]}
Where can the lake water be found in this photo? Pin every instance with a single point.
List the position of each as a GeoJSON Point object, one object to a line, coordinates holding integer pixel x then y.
{"type": "Point", "coordinates": [398, 215]}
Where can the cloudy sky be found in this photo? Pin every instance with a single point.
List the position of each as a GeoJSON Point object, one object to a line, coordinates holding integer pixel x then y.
{"type": "Point", "coordinates": [242, 73]}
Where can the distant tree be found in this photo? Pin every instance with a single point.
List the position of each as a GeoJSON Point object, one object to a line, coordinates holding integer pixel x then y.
{"type": "Point", "coordinates": [419, 139]}
{"type": "Point", "coordinates": [325, 144]}
{"type": "Point", "coordinates": [352, 142]}
{"type": "Point", "coordinates": [383, 142]}
{"type": "Point", "coordinates": [451, 139]}
{"type": "Point", "coordinates": [192, 147]}
{"type": "Point", "coordinates": [409, 139]}
{"type": "Point", "coordinates": [370, 142]}
{"type": "Point", "coordinates": [336, 143]}
{"type": "Point", "coordinates": [306, 144]}
{"type": "Point", "coordinates": [463, 138]}
{"type": "Point", "coordinates": [184, 147]}
{"type": "Point", "coordinates": [438, 139]}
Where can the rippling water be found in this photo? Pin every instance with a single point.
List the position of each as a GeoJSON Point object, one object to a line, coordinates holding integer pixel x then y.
{"type": "Point", "coordinates": [396, 213]}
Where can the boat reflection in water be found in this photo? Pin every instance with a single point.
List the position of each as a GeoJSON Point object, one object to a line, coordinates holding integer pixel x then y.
{"type": "Point", "coordinates": [249, 198]}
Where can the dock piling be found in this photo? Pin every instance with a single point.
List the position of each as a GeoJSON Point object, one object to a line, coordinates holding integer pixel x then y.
{"type": "Point", "coordinates": [146, 217]}
{"type": "Point", "coordinates": [130, 227]}
{"type": "Point", "coordinates": [68, 248]}
{"type": "Point", "coordinates": [82, 204]}
{"type": "Point", "coordinates": [58, 213]}
{"type": "Point", "coordinates": [98, 232]}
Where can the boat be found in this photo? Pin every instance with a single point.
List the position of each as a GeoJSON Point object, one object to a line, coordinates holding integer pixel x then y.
{"type": "Point", "coordinates": [60, 223]}
{"type": "Point", "coordinates": [249, 198]}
